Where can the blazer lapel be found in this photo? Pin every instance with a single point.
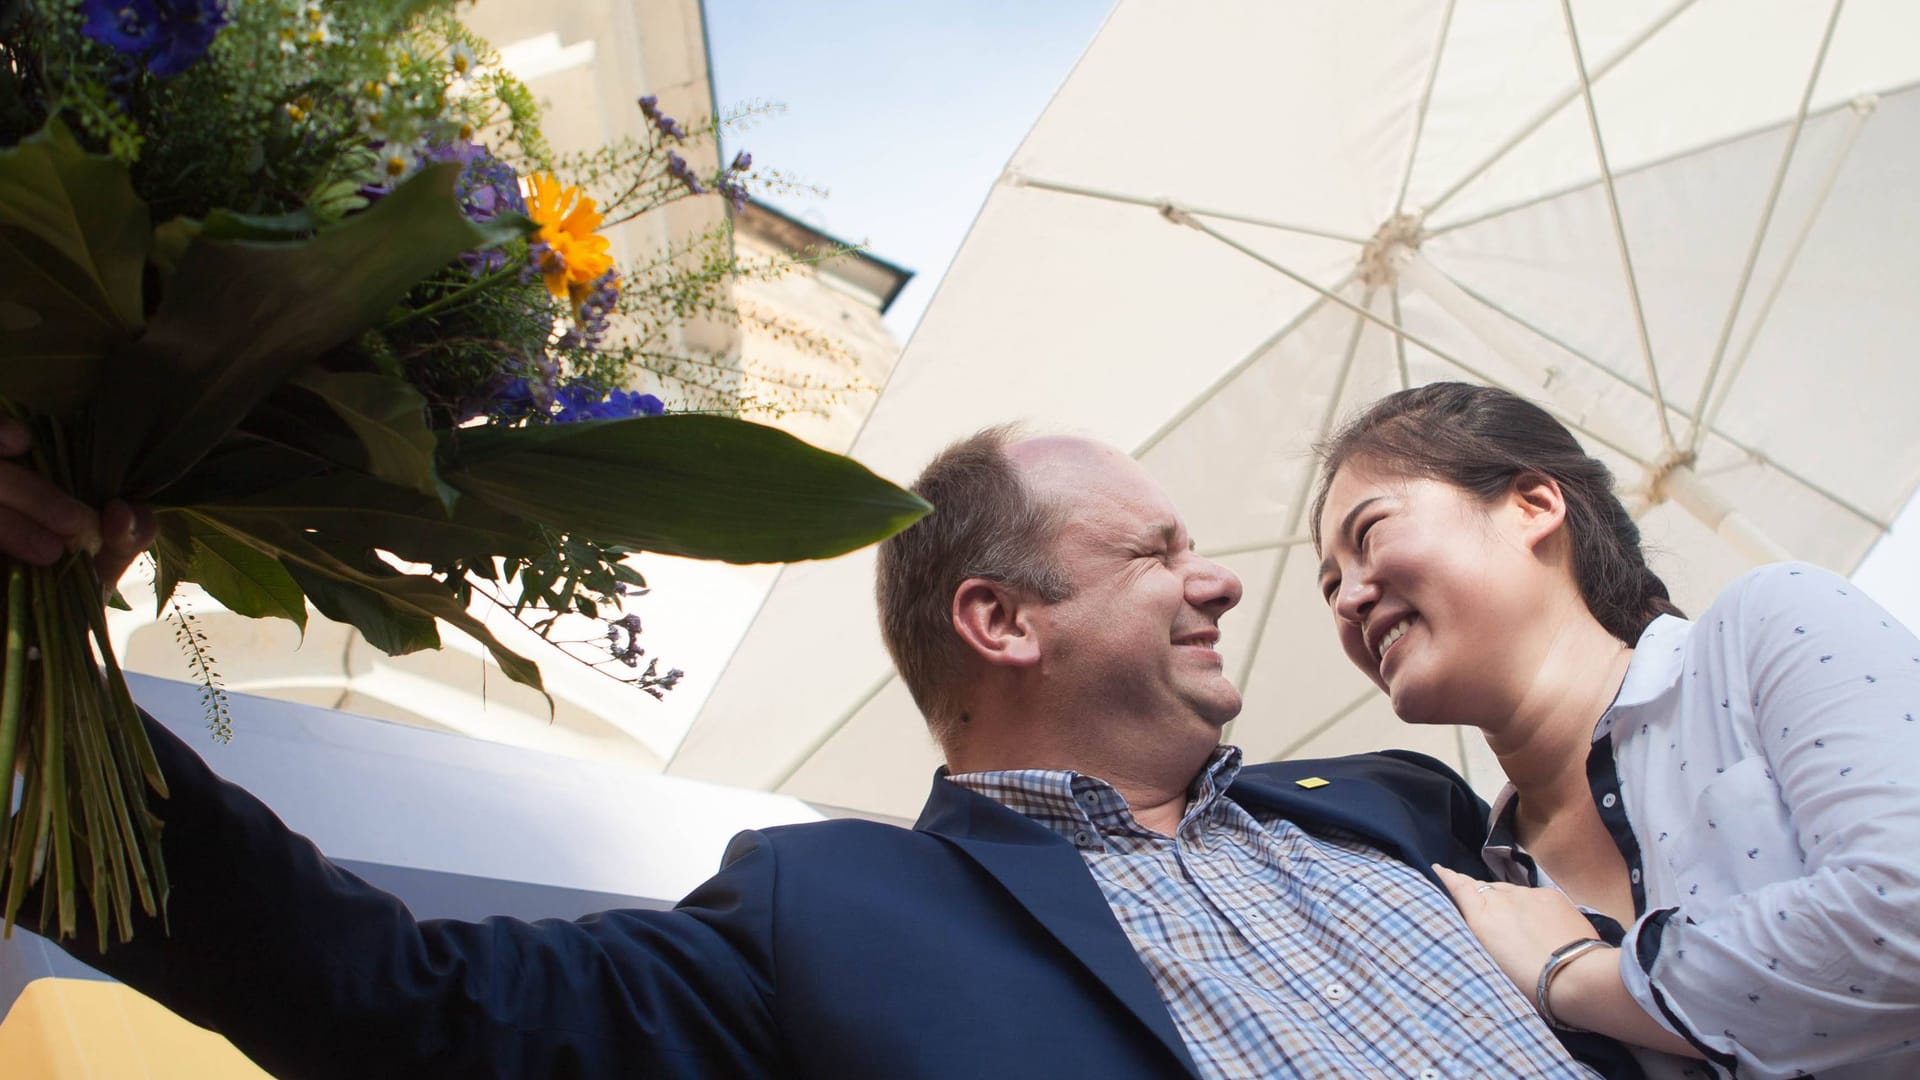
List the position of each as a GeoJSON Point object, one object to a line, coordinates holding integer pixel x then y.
{"type": "Point", "coordinates": [1048, 878]}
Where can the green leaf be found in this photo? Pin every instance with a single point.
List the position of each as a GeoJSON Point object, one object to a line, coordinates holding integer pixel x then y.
{"type": "Point", "coordinates": [73, 239]}
{"type": "Point", "coordinates": [227, 225]}
{"type": "Point", "coordinates": [367, 513]}
{"type": "Point", "coordinates": [414, 599]}
{"type": "Point", "coordinates": [390, 417]}
{"type": "Point", "coordinates": [245, 580]}
{"type": "Point", "coordinates": [239, 318]}
{"type": "Point", "coordinates": [703, 486]}
{"type": "Point", "coordinates": [385, 626]}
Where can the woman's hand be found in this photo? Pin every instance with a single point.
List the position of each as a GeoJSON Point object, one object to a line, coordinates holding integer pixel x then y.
{"type": "Point", "coordinates": [1519, 927]}
{"type": "Point", "coordinates": [39, 523]}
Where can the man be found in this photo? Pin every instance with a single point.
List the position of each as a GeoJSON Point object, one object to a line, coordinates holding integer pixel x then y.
{"type": "Point", "coordinates": [1095, 888]}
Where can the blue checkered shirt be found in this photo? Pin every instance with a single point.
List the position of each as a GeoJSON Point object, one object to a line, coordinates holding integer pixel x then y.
{"type": "Point", "coordinates": [1283, 953]}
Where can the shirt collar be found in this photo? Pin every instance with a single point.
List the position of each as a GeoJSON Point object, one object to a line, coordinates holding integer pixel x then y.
{"type": "Point", "coordinates": [1085, 809]}
{"type": "Point", "coordinates": [1658, 658]}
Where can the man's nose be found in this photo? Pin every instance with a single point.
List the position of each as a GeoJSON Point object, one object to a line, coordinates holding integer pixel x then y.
{"type": "Point", "coordinates": [1212, 587]}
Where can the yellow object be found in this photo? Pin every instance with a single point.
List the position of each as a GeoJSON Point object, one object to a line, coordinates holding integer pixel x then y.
{"type": "Point", "coordinates": [59, 1028]}
{"type": "Point", "coordinates": [1312, 782]}
{"type": "Point", "coordinates": [567, 220]}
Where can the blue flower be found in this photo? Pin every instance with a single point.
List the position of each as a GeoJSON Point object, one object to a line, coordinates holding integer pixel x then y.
{"type": "Point", "coordinates": [165, 36]}
{"type": "Point", "coordinates": [579, 401]}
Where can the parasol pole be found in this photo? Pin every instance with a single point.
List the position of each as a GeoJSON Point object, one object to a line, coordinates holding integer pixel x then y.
{"type": "Point", "coordinates": [1687, 490]}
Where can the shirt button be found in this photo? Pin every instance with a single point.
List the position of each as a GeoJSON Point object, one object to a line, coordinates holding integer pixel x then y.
{"type": "Point", "coordinates": [1430, 1074]}
{"type": "Point", "coordinates": [1082, 838]}
{"type": "Point", "coordinates": [1335, 992]}
{"type": "Point", "coordinates": [1609, 800]}
{"type": "Point", "coordinates": [1635, 876]}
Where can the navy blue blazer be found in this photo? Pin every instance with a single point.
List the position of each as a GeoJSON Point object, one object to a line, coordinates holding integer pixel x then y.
{"type": "Point", "coordinates": [974, 945]}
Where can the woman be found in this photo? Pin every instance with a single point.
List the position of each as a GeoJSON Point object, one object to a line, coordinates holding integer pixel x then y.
{"type": "Point", "coordinates": [1732, 803]}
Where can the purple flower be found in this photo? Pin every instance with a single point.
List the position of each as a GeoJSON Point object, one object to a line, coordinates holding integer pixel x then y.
{"type": "Point", "coordinates": [590, 317]}
{"type": "Point", "coordinates": [165, 36]}
{"type": "Point", "coordinates": [734, 190]}
{"type": "Point", "coordinates": [486, 187]}
{"type": "Point", "coordinates": [678, 169]}
{"type": "Point", "coordinates": [742, 161]}
{"type": "Point", "coordinates": [650, 108]}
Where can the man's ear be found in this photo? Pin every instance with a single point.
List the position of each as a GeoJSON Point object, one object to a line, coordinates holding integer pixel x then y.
{"type": "Point", "coordinates": [1539, 506]}
{"type": "Point", "coordinates": [995, 623]}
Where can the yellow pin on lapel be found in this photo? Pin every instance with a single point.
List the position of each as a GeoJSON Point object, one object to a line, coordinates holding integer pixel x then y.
{"type": "Point", "coordinates": [1312, 782]}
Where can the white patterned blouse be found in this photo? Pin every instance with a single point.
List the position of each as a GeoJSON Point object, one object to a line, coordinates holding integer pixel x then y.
{"type": "Point", "coordinates": [1760, 772]}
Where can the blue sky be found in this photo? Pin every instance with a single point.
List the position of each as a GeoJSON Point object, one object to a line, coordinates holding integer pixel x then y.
{"type": "Point", "coordinates": [904, 110]}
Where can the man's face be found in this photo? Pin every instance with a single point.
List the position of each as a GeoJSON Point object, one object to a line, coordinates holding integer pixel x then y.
{"type": "Point", "coordinates": [1137, 643]}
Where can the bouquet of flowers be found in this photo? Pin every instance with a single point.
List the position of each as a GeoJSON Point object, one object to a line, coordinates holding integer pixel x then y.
{"type": "Point", "coordinates": [305, 279]}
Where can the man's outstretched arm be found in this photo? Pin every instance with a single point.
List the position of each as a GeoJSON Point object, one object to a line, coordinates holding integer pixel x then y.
{"type": "Point", "coordinates": [312, 972]}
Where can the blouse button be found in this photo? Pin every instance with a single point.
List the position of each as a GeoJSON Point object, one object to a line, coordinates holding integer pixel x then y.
{"type": "Point", "coordinates": [1609, 800]}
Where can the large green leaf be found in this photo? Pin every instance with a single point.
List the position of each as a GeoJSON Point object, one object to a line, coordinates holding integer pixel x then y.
{"type": "Point", "coordinates": [390, 417]}
{"type": "Point", "coordinates": [409, 596]}
{"type": "Point", "coordinates": [239, 318]}
{"type": "Point", "coordinates": [363, 512]}
{"type": "Point", "coordinates": [245, 580]}
{"type": "Point", "coordinates": [703, 486]}
{"type": "Point", "coordinates": [73, 245]}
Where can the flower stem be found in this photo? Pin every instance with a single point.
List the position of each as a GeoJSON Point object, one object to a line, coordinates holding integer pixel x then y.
{"type": "Point", "coordinates": [13, 693]}
{"type": "Point", "coordinates": [455, 296]}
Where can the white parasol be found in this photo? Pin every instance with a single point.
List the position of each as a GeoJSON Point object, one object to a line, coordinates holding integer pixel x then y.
{"type": "Point", "coordinates": [1686, 227]}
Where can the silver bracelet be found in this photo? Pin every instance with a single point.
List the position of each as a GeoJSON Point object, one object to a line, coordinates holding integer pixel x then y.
{"type": "Point", "coordinates": [1560, 958]}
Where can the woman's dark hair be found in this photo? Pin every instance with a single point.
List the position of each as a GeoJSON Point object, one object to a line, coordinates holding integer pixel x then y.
{"type": "Point", "coordinates": [1479, 439]}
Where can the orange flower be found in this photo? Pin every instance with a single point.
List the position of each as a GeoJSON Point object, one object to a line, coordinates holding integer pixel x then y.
{"type": "Point", "coordinates": [567, 219]}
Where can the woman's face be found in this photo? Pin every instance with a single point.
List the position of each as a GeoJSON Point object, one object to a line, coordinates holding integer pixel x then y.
{"type": "Point", "coordinates": [1430, 590]}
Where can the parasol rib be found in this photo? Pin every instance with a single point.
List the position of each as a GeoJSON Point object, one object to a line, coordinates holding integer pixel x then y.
{"type": "Point", "coordinates": [1399, 343]}
{"type": "Point", "coordinates": [1756, 456]}
{"type": "Point", "coordinates": [1861, 110]}
{"type": "Point", "coordinates": [1300, 504]}
{"type": "Point", "coordinates": [1403, 332]}
{"type": "Point", "coordinates": [1620, 233]}
{"type": "Point", "coordinates": [1234, 372]}
{"type": "Point", "coordinates": [1540, 118]}
{"type": "Point", "coordinates": [1161, 203]}
{"type": "Point", "coordinates": [1265, 545]}
{"type": "Point", "coordinates": [1760, 234]}
{"type": "Point", "coordinates": [1420, 116]}
{"type": "Point", "coordinates": [1326, 725]}
{"type": "Point", "coordinates": [820, 741]}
